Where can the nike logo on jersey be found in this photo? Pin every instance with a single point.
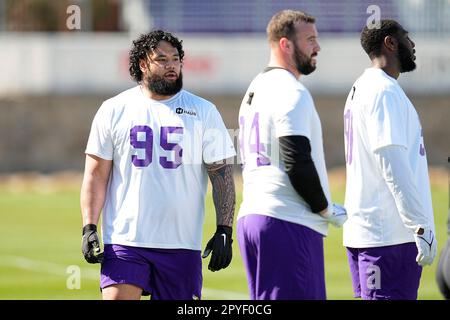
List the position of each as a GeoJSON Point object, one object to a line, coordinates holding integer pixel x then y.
{"type": "Point", "coordinates": [422, 150]}
{"type": "Point", "coordinates": [180, 110]}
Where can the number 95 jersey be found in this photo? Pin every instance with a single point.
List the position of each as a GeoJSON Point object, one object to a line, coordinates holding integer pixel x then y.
{"type": "Point", "coordinates": [156, 192]}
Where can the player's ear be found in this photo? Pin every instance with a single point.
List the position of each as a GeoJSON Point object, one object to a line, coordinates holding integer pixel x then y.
{"type": "Point", "coordinates": [390, 43]}
{"type": "Point", "coordinates": [143, 65]}
{"type": "Point", "coordinates": [285, 45]}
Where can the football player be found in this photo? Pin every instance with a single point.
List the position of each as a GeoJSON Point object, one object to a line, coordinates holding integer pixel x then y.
{"type": "Point", "coordinates": [390, 230]}
{"type": "Point", "coordinates": [148, 157]}
{"type": "Point", "coordinates": [286, 204]}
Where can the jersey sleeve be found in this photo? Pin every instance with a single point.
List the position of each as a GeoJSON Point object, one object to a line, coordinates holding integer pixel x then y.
{"type": "Point", "coordinates": [100, 141]}
{"type": "Point", "coordinates": [386, 123]}
{"type": "Point", "coordinates": [395, 169]}
{"type": "Point", "coordinates": [217, 144]}
{"type": "Point", "coordinates": [292, 115]}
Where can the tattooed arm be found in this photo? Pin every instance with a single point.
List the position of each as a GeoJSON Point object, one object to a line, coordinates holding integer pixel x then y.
{"type": "Point", "coordinates": [224, 195]}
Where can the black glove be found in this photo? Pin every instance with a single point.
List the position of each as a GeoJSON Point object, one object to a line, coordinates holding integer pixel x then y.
{"type": "Point", "coordinates": [91, 245]}
{"type": "Point", "coordinates": [220, 246]}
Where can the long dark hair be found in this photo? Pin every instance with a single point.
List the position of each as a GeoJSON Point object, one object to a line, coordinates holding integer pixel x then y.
{"type": "Point", "coordinates": [147, 43]}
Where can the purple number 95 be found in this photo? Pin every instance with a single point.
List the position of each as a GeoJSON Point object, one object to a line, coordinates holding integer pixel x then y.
{"type": "Point", "coordinates": [147, 145]}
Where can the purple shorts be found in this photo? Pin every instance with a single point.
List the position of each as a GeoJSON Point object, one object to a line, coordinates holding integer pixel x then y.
{"type": "Point", "coordinates": [283, 260]}
{"type": "Point", "coordinates": [385, 273]}
{"type": "Point", "coordinates": [165, 274]}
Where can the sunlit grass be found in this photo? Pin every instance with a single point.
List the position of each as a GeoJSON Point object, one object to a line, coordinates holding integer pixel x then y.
{"type": "Point", "coordinates": [40, 237]}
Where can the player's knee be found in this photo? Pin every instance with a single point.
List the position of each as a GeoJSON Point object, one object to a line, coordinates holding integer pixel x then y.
{"type": "Point", "coordinates": [122, 292]}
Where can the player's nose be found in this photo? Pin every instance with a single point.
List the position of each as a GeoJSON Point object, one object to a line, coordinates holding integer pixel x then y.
{"type": "Point", "coordinates": [170, 65]}
{"type": "Point", "coordinates": [318, 48]}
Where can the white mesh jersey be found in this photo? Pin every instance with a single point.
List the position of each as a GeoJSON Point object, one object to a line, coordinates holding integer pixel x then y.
{"type": "Point", "coordinates": [378, 114]}
{"type": "Point", "coordinates": [279, 106]}
{"type": "Point", "coordinates": [156, 192]}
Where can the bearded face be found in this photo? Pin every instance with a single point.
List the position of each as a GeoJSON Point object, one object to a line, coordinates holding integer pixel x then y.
{"type": "Point", "coordinates": [164, 86]}
{"type": "Point", "coordinates": [406, 57]}
{"type": "Point", "coordinates": [304, 64]}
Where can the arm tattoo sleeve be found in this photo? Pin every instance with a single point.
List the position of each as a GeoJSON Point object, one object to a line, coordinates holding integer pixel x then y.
{"type": "Point", "coordinates": [224, 195]}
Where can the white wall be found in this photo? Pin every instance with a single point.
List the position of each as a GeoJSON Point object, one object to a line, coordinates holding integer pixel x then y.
{"type": "Point", "coordinates": [92, 63]}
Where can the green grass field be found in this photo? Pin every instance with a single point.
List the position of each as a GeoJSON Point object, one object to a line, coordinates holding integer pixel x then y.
{"type": "Point", "coordinates": [40, 240]}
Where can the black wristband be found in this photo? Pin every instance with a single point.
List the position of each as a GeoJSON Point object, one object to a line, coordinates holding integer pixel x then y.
{"type": "Point", "coordinates": [225, 229]}
{"type": "Point", "coordinates": [89, 227]}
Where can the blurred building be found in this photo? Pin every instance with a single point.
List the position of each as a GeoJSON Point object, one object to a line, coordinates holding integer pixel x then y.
{"type": "Point", "coordinates": [53, 77]}
{"type": "Point", "coordinates": [224, 40]}
{"type": "Point", "coordinates": [209, 16]}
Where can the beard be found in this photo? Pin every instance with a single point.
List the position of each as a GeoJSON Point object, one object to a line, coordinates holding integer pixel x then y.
{"type": "Point", "coordinates": [303, 63]}
{"type": "Point", "coordinates": [406, 58]}
{"type": "Point", "coordinates": [157, 84]}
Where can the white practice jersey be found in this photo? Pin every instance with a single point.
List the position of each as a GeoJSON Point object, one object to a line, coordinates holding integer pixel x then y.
{"type": "Point", "coordinates": [379, 114]}
{"type": "Point", "coordinates": [276, 104]}
{"type": "Point", "coordinates": [156, 192]}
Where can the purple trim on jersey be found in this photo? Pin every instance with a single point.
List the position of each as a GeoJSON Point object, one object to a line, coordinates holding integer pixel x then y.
{"type": "Point", "coordinates": [421, 147]}
{"type": "Point", "coordinates": [385, 273]}
{"type": "Point", "coordinates": [348, 133]}
{"type": "Point", "coordinates": [166, 274]}
{"type": "Point", "coordinates": [283, 260]}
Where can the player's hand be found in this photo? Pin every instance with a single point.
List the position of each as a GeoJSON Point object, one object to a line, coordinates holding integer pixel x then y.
{"type": "Point", "coordinates": [220, 246]}
{"type": "Point", "coordinates": [336, 216]}
{"type": "Point", "coordinates": [426, 246]}
{"type": "Point", "coordinates": [91, 244]}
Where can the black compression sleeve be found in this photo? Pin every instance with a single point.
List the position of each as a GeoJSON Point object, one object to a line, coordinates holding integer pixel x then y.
{"type": "Point", "coordinates": [296, 154]}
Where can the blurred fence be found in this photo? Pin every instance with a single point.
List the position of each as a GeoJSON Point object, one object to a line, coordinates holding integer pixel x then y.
{"type": "Point", "coordinates": [49, 133]}
{"type": "Point", "coordinates": [98, 63]}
